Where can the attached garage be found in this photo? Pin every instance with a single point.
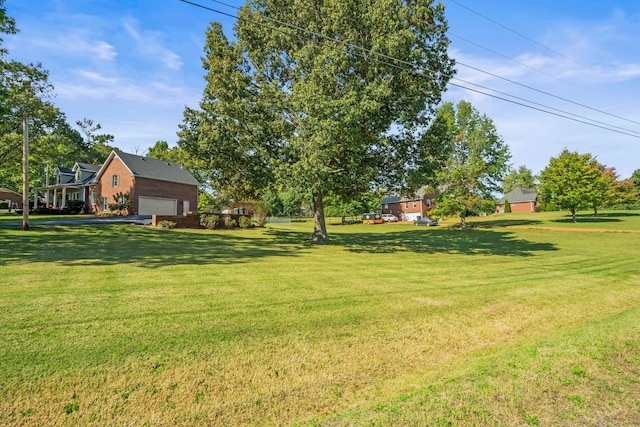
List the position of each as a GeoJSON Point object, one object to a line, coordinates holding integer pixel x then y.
{"type": "Point", "coordinates": [157, 206]}
{"type": "Point", "coordinates": [411, 216]}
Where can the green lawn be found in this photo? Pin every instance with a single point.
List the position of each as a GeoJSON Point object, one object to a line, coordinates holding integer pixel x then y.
{"type": "Point", "coordinates": [535, 324]}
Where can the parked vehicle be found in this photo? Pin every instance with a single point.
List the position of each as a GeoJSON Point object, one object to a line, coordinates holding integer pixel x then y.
{"type": "Point", "coordinates": [426, 221]}
{"type": "Point", "coordinates": [389, 218]}
{"type": "Point", "coordinates": [372, 218]}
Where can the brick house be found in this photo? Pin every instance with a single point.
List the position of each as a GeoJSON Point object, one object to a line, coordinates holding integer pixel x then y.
{"type": "Point", "coordinates": [520, 200]}
{"type": "Point", "coordinates": [154, 186]}
{"type": "Point", "coordinates": [409, 208]}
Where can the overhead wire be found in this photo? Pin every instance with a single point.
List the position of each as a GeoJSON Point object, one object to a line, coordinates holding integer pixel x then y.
{"type": "Point", "coordinates": [516, 32]}
{"type": "Point", "coordinates": [471, 42]}
{"type": "Point", "coordinates": [565, 114]}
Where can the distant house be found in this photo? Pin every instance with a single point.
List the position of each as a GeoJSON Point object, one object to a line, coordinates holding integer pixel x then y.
{"type": "Point", "coordinates": [520, 200]}
{"type": "Point", "coordinates": [409, 208]}
{"type": "Point", "coordinates": [153, 186]}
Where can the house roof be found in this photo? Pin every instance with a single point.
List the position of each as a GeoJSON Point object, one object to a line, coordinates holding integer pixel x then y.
{"type": "Point", "coordinates": [394, 198]}
{"type": "Point", "coordinates": [87, 167]}
{"type": "Point", "coordinates": [66, 171]}
{"type": "Point", "coordinates": [519, 195]}
{"type": "Point", "coordinates": [9, 194]}
{"type": "Point", "coordinates": [145, 167]}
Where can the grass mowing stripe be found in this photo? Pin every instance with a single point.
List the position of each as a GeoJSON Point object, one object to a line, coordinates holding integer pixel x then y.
{"type": "Point", "coordinates": [259, 327]}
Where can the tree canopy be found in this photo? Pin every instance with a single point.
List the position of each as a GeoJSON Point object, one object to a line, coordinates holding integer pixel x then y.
{"type": "Point", "coordinates": [474, 163]}
{"type": "Point", "coordinates": [25, 91]}
{"type": "Point", "coordinates": [521, 177]}
{"type": "Point", "coordinates": [572, 180]}
{"type": "Point", "coordinates": [323, 97]}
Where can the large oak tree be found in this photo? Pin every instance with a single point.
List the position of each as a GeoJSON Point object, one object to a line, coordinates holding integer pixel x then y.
{"type": "Point", "coordinates": [326, 97]}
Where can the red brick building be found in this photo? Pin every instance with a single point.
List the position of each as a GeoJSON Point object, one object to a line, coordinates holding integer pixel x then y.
{"type": "Point", "coordinates": [520, 200]}
{"type": "Point", "coordinates": [153, 186]}
{"type": "Point", "coordinates": [409, 208]}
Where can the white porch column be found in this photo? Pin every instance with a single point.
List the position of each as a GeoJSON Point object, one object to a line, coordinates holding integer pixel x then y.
{"type": "Point", "coordinates": [64, 197]}
{"type": "Point", "coordinates": [46, 198]}
{"type": "Point", "coordinates": [55, 198]}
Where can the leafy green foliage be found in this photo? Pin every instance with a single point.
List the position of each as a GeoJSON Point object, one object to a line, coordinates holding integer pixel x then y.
{"type": "Point", "coordinates": [319, 113]}
{"type": "Point", "coordinates": [572, 180]}
{"type": "Point", "coordinates": [635, 179]}
{"type": "Point", "coordinates": [25, 91]}
{"type": "Point", "coordinates": [522, 177]}
{"type": "Point", "coordinates": [260, 212]}
{"type": "Point", "coordinates": [209, 221]}
{"type": "Point", "coordinates": [475, 159]}
{"type": "Point", "coordinates": [122, 203]}
{"type": "Point", "coordinates": [244, 222]}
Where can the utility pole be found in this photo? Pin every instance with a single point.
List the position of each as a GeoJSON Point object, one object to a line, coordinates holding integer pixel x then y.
{"type": "Point", "coordinates": [25, 173]}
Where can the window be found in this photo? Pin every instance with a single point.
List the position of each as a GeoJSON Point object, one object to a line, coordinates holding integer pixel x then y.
{"type": "Point", "coordinates": [115, 180]}
{"type": "Point", "coordinates": [78, 175]}
{"type": "Point", "coordinates": [74, 196]}
{"type": "Point", "coordinates": [428, 203]}
{"type": "Point", "coordinates": [386, 205]}
{"type": "Point", "coordinates": [105, 203]}
{"type": "Point", "coordinates": [415, 204]}
{"type": "Point", "coordinates": [94, 197]}
{"type": "Point", "coordinates": [406, 205]}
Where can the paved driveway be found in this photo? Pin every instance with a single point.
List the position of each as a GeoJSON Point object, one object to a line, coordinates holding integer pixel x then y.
{"type": "Point", "coordinates": [131, 219]}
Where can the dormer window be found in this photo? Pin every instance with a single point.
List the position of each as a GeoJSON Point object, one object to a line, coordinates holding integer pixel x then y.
{"type": "Point", "coordinates": [78, 174]}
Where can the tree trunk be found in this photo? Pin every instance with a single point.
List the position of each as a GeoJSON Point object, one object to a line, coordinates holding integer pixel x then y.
{"type": "Point", "coordinates": [595, 211]}
{"type": "Point", "coordinates": [319, 226]}
{"type": "Point", "coordinates": [463, 219]}
{"type": "Point", "coordinates": [573, 214]}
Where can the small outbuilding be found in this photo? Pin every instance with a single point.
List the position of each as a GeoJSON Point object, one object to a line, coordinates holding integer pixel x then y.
{"type": "Point", "coordinates": [12, 198]}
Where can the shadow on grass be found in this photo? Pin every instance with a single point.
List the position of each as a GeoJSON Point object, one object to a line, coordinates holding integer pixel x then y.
{"type": "Point", "coordinates": [443, 240]}
{"type": "Point", "coordinates": [153, 248]}
{"type": "Point", "coordinates": [502, 222]}
{"type": "Point", "coordinates": [605, 217]}
{"type": "Point", "coordinates": [146, 247]}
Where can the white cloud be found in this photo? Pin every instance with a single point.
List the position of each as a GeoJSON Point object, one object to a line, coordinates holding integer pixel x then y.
{"type": "Point", "coordinates": [148, 43]}
{"type": "Point", "coordinates": [75, 43]}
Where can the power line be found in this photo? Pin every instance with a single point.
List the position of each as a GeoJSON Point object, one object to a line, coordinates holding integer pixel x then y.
{"type": "Point", "coordinates": [516, 33]}
{"type": "Point", "coordinates": [512, 59]}
{"type": "Point", "coordinates": [546, 93]}
{"type": "Point", "coordinates": [565, 114]}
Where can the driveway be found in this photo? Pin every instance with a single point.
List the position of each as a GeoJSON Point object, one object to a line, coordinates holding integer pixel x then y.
{"type": "Point", "coordinates": [131, 219]}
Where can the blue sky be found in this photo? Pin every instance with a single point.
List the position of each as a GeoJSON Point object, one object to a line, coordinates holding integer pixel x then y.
{"type": "Point", "coordinates": [133, 66]}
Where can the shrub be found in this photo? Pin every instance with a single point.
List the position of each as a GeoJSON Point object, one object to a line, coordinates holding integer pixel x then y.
{"type": "Point", "coordinates": [74, 207]}
{"type": "Point", "coordinates": [551, 207]}
{"type": "Point", "coordinates": [245, 222]}
{"type": "Point", "coordinates": [167, 224]}
{"type": "Point", "coordinates": [209, 221]}
{"type": "Point", "coordinates": [122, 203]}
{"type": "Point", "coordinates": [229, 222]}
{"type": "Point", "coordinates": [507, 206]}
{"type": "Point", "coordinates": [260, 212]}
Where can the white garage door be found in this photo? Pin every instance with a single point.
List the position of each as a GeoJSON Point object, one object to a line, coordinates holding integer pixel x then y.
{"type": "Point", "coordinates": [157, 205]}
{"type": "Point", "coordinates": [412, 216]}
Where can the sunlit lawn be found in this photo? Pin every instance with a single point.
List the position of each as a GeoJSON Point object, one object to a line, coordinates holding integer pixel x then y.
{"type": "Point", "coordinates": [386, 325]}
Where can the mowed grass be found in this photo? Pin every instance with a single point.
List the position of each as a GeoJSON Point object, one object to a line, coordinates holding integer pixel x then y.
{"type": "Point", "coordinates": [386, 325]}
